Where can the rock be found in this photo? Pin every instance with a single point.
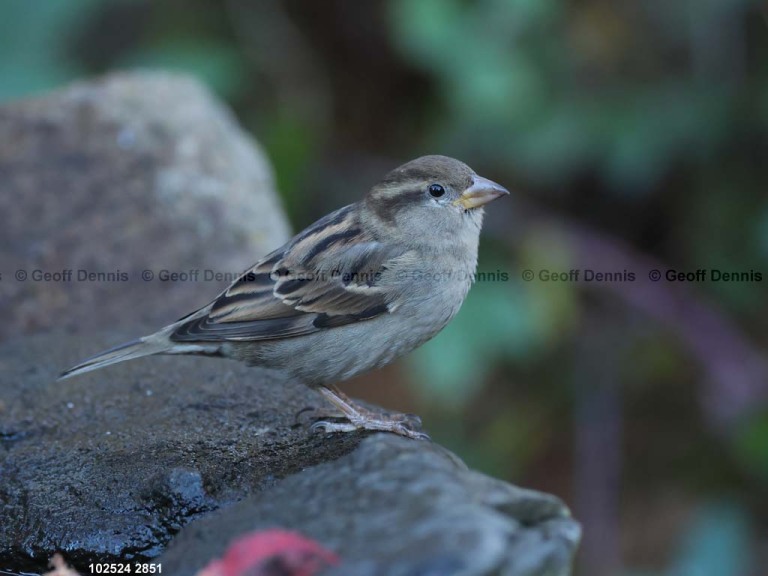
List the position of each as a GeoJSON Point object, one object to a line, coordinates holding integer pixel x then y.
{"type": "Point", "coordinates": [398, 507]}
{"type": "Point", "coordinates": [134, 172]}
{"type": "Point", "coordinates": [113, 464]}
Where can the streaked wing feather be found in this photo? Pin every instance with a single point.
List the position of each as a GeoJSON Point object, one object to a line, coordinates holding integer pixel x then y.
{"type": "Point", "coordinates": [299, 290]}
{"type": "Point", "coordinates": [205, 330]}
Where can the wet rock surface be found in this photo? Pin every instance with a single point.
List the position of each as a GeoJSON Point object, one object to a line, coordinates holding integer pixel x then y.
{"type": "Point", "coordinates": [111, 465]}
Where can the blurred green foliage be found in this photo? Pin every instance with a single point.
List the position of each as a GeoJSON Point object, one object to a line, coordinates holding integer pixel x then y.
{"type": "Point", "coordinates": [643, 122]}
{"type": "Point", "coordinates": [35, 38]}
{"type": "Point", "coordinates": [752, 445]}
{"type": "Point", "coordinates": [217, 64]}
{"type": "Point", "coordinates": [454, 367]}
{"type": "Point", "coordinates": [561, 90]}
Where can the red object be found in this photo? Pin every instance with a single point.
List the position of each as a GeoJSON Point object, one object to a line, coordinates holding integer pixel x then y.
{"type": "Point", "coordinates": [271, 553]}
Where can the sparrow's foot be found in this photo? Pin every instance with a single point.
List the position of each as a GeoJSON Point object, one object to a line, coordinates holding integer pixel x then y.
{"type": "Point", "coordinates": [382, 424]}
{"type": "Point", "coordinates": [358, 418]}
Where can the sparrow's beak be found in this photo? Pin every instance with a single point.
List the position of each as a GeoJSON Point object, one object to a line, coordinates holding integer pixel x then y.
{"type": "Point", "coordinates": [480, 192]}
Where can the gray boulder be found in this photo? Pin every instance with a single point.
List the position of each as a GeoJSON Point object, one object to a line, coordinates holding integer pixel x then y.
{"type": "Point", "coordinates": [129, 173]}
{"type": "Point", "coordinates": [398, 507]}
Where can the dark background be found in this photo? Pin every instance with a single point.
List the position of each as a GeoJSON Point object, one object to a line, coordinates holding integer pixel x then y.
{"type": "Point", "coordinates": [633, 134]}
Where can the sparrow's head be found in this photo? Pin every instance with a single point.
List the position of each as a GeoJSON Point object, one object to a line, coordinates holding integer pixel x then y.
{"type": "Point", "coordinates": [433, 196]}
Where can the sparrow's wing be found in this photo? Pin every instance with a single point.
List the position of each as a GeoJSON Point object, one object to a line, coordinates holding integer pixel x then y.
{"type": "Point", "coordinates": [332, 274]}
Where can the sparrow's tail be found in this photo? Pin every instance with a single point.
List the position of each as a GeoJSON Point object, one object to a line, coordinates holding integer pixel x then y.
{"type": "Point", "coordinates": [142, 347]}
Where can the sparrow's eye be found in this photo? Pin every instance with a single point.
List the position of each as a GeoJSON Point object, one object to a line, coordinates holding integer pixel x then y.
{"type": "Point", "coordinates": [435, 190]}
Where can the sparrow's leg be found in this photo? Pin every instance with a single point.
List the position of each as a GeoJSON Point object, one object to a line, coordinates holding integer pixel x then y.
{"type": "Point", "coordinates": [359, 418]}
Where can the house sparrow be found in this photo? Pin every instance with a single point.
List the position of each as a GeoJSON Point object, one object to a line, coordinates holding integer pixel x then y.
{"type": "Point", "coordinates": [355, 290]}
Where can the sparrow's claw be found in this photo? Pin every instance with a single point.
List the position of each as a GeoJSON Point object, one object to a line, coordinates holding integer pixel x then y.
{"type": "Point", "coordinates": [359, 418]}
{"type": "Point", "coordinates": [412, 421]}
{"type": "Point", "coordinates": [382, 424]}
{"type": "Point", "coordinates": [314, 413]}
{"type": "Point", "coordinates": [330, 427]}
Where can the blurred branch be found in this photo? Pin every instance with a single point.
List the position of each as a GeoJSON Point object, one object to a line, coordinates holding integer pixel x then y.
{"type": "Point", "coordinates": [598, 429]}
{"type": "Point", "coordinates": [735, 370]}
